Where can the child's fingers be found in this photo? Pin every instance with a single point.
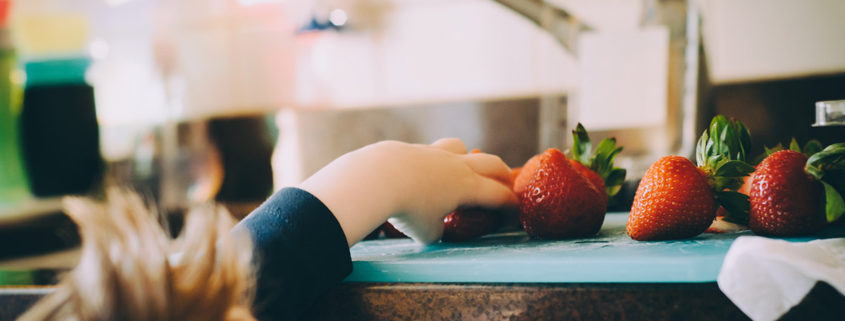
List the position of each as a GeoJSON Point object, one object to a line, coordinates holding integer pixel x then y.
{"type": "Point", "coordinates": [491, 193]}
{"type": "Point", "coordinates": [489, 165]}
{"type": "Point", "coordinates": [453, 145]}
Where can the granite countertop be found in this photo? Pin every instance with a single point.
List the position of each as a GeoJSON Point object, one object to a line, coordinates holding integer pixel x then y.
{"type": "Point", "coordinates": [576, 301]}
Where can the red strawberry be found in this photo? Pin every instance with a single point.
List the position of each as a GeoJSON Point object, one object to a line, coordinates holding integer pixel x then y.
{"type": "Point", "coordinates": [466, 224]}
{"type": "Point", "coordinates": [676, 199]}
{"type": "Point", "coordinates": [374, 234]}
{"type": "Point", "coordinates": [524, 174]}
{"type": "Point", "coordinates": [720, 226]}
{"type": "Point", "coordinates": [810, 147]}
{"type": "Point", "coordinates": [591, 176]}
{"type": "Point", "coordinates": [391, 232]}
{"type": "Point", "coordinates": [793, 194]}
{"type": "Point", "coordinates": [673, 201]}
{"type": "Point", "coordinates": [785, 200]}
{"type": "Point", "coordinates": [559, 202]}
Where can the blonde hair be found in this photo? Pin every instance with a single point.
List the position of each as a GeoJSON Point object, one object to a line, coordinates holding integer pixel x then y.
{"type": "Point", "coordinates": [131, 269]}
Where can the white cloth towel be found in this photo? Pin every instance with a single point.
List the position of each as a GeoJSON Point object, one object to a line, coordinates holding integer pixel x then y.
{"type": "Point", "coordinates": [766, 277]}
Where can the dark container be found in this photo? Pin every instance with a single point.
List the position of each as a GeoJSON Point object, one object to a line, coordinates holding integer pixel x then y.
{"type": "Point", "coordinates": [59, 131]}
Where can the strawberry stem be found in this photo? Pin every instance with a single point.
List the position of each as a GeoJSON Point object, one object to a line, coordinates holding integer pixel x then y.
{"type": "Point", "coordinates": [828, 166]}
{"type": "Point", "coordinates": [810, 148]}
{"type": "Point", "coordinates": [834, 205]}
{"type": "Point", "coordinates": [721, 152]}
{"type": "Point", "coordinates": [737, 206]}
{"type": "Point", "coordinates": [600, 160]}
{"type": "Point", "coordinates": [581, 145]}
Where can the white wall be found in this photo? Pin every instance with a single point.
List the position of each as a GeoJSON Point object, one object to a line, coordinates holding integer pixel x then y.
{"type": "Point", "coordinates": [429, 51]}
{"type": "Point", "coordinates": [749, 40]}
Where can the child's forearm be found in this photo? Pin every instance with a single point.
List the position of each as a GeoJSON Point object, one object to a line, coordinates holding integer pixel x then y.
{"type": "Point", "coordinates": [360, 189]}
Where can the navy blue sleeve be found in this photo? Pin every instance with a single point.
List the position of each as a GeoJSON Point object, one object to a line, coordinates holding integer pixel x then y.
{"type": "Point", "coordinates": [301, 252]}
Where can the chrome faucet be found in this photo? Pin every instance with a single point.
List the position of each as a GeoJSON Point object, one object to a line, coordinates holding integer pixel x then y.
{"type": "Point", "coordinates": [681, 17]}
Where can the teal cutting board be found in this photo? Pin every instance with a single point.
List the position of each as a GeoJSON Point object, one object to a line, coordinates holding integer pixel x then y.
{"type": "Point", "coordinates": [609, 257]}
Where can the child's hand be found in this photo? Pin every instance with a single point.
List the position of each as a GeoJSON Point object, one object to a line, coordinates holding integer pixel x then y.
{"type": "Point", "coordinates": [414, 185]}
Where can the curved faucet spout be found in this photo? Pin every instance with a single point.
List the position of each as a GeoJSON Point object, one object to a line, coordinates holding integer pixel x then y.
{"type": "Point", "coordinates": [562, 25]}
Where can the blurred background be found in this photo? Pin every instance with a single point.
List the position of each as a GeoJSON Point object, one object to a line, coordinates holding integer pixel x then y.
{"type": "Point", "coordinates": [194, 100]}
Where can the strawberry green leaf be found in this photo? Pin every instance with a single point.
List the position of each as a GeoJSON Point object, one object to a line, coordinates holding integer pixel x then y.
{"type": "Point", "coordinates": [776, 148]}
{"type": "Point", "coordinates": [607, 146]}
{"type": "Point", "coordinates": [738, 140]}
{"type": "Point", "coordinates": [828, 166]}
{"type": "Point", "coordinates": [744, 139]}
{"type": "Point", "coordinates": [719, 183]}
{"type": "Point", "coordinates": [812, 147]}
{"type": "Point", "coordinates": [717, 125]}
{"type": "Point", "coordinates": [612, 191]}
{"type": "Point", "coordinates": [713, 163]}
{"type": "Point", "coordinates": [599, 160]}
{"type": "Point", "coordinates": [814, 171]}
{"type": "Point", "coordinates": [794, 146]}
{"type": "Point", "coordinates": [614, 180]}
{"type": "Point", "coordinates": [734, 168]}
{"type": "Point", "coordinates": [602, 160]}
{"type": "Point", "coordinates": [730, 143]}
{"type": "Point", "coordinates": [581, 145]}
{"type": "Point", "coordinates": [710, 147]}
{"type": "Point", "coordinates": [722, 151]}
{"type": "Point", "coordinates": [599, 164]}
{"type": "Point", "coordinates": [736, 204]}
{"type": "Point", "coordinates": [616, 176]}
{"type": "Point", "coordinates": [835, 151]}
{"type": "Point", "coordinates": [834, 206]}
{"type": "Point", "coordinates": [701, 149]}
{"type": "Point", "coordinates": [727, 138]}
{"type": "Point", "coordinates": [615, 151]}
{"type": "Point", "coordinates": [829, 158]}
{"type": "Point", "coordinates": [716, 159]}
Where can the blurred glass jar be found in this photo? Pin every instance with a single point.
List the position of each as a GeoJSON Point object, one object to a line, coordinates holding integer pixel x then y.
{"type": "Point", "coordinates": [13, 182]}
{"type": "Point", "coordinates": [175, 164]}
{"type": "Point", "coordinates": [830, 113]}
